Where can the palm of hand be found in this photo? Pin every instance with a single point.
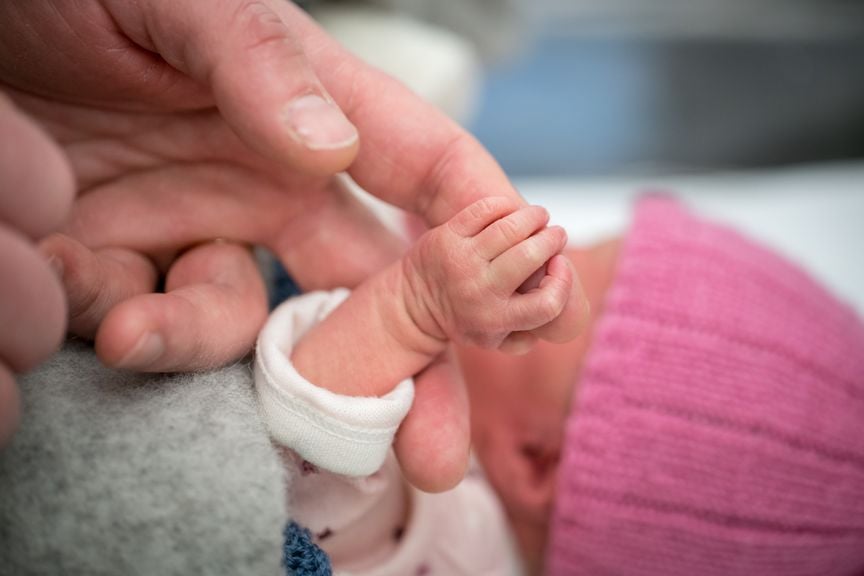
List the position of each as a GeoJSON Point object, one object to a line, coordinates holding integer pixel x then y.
{"type": "Point", "coordinates": [153, 184]}
{"type": "Point", "coordinates": [158, 183]}
{"type": "Point", "coordinates": [157, 166]}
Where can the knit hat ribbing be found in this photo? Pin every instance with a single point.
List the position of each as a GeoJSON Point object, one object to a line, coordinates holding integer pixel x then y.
{"type": "Point", "coordinates": [719, 423]}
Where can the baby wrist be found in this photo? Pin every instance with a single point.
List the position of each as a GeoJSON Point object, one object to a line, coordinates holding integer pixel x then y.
{"type": "Point", "coordinates": [348, 435]}
{"type": "Point", "coordinates": [418, 307]}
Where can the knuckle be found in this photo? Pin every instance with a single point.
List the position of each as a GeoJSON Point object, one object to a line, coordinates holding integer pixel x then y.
{"type": "Point", "coordinates": [551, 304]}
{"type": "Point", "coordinates": [482, 207]}
{"type": "Point", "coordinates": [477, 322]}
{"type": "Point", "coordinates": [538, 215]}
{"type": "Point", "coordinates": [531, 250]}
{"type": "Point", "coordinates": [548, 242]}
{"type": "Point", "coordinates": [559, 236]}
{"type": "Point", "coordinates": [488, 339]}
{"type": "Point", "coordinates": [509, 230]}
{"type": "Point", "coordinates": [85, 297]}
{"type": "Point", "coordinates": [259, 26]}
{"type": "Point", "coordinates": [491, 205]}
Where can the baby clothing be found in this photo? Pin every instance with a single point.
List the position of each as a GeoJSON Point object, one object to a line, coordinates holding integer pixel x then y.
{"type": "Point", "coordinates": [346, 486]}
{"type": "Point", "coordinates": [719, 424]}
{"type": "Point", "coordinates": [344, 434]}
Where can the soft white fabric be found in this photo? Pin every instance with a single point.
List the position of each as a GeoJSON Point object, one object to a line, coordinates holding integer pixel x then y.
{"type": "Point", "coordinates": [462, 532]}
{"type": "Point", "coordinates": [357, 521]}
{"type": "Point", "coordinates": [346, 486]}
{"type": "Point", "coordinates": [381, 526]}
{"type": "Point", "coordinates": [348, 435]}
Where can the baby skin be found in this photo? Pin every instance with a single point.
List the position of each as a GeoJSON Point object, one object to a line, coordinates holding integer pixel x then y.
{"type": "Point", "coordinates": [593, 445]}
{"type": "Point", "coordinates": [458, 283]}
{"type": "Point", "coordinates": [520, 404]}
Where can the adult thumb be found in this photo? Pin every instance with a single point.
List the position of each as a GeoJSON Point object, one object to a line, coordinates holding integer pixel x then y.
{"type": "Point", "coordinates": [246, 53]}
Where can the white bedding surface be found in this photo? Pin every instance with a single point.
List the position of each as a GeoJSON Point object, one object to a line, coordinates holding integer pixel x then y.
{"type": "Point", "coordinates": [814, 215]}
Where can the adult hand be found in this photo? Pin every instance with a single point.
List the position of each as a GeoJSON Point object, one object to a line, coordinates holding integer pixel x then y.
{"type": "Point", "coordinates": [36, 190]}
{"type": "Point", "coordinates": [187, 121]}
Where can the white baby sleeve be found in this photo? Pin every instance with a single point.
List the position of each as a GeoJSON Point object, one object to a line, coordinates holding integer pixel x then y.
{"type": "Point", "coordinates": [347, 435]}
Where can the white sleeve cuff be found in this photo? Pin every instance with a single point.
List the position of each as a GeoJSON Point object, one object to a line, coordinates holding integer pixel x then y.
{"type": "Point", "coordinates": [347, 435]}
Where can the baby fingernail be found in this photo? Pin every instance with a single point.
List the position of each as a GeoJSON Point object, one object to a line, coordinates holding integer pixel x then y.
{"type": "Point", "coordinates": [318, 124]}
{"type": "Point", "coordinates": [146, 350]}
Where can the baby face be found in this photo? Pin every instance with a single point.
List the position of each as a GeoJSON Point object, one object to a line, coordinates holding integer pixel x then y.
{"type": "Point", "coordinates": [519, 406]}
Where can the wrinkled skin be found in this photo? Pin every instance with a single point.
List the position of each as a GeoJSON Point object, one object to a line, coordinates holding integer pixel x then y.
{"type": "Point", "coordinates": [520, 406]}
{"type": "Point", "coordinates": [179, 122]}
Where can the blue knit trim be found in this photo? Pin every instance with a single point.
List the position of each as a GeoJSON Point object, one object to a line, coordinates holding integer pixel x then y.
{"type": "Point", "coordinates": [301, 556]}
{"type": "Point", "coordinates": [283, 286]}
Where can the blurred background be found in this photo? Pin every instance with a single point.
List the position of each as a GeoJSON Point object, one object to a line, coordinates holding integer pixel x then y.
{"type": "Point", "coordinates": [752, 110]}
{"type": "Point", "coordinates": [575, 87]}
{"type": "Point", "coordinates": [612, 86]}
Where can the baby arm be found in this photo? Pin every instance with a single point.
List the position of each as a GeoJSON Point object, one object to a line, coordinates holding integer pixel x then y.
{"type": "Point", "coordinates": [339, 406]}
{"type": "Point", "coordinates": [333, 370]}
{"type": "Point", "coordinates": [457, 283]}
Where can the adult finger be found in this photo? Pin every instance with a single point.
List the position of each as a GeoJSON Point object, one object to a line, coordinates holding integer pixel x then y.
{"type": "Point", "coordinates": [319, 229]}
{"type": "Point", "coordinates": [162, 210]}
{"type": "Point", "coordinates": [36, 190]}
{"type": "Point", "coordinates": [96, 281]}
{"type": "Point", "coordinates": [35, 178]}
{"type": "Point", "coordinates": [434, 440]}
{"type": "Point", "coordinates": [248, 55]}
{"type": "Point", "coordinates": [413, 156]}
{"type": "Point", "coordinates": [213, 306]}
{"type": "Point", "coordinates": [434, 176]}
{"type": "Point", "coordinates": [342, 244]}
{"type": "Point", "coordinates": [32, 307]}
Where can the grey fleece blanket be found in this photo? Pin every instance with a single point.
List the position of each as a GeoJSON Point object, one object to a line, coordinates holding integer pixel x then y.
{"type": "Point", "coordinates": [121, 473]}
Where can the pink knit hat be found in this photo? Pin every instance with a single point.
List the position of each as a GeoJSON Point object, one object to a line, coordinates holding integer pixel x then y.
{"type": "Point", "coordinates": [718, 427]}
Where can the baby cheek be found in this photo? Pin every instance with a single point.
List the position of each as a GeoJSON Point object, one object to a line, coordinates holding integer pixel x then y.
{"type": "Point", "coordinates": [522, 476]}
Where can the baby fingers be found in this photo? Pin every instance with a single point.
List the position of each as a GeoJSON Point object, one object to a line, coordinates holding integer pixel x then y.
{"type": "Point", "coordinates": [510, 270]}
{"type": "Point", "coordinates": [543, 304]}
{"type": "Point", "coordinates": [477, 216]}
{"type": "Point", "coordinates": [509, 231]}
{"type": "Point", "coordinates": [518, 343]}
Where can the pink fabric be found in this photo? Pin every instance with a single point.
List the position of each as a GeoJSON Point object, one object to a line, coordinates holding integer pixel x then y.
{"type": "Point", "coordinates": [719, 424]}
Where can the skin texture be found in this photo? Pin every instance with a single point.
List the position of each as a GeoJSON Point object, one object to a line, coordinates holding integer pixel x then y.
{"type": "Point", "coordinates": [458, 283]}
{"type": "Point", "coordinates": [185, 122]}
{"type": "Point", "coordinates": [35, 193]}
{"type": "Point", "coordinates": [519, 407]}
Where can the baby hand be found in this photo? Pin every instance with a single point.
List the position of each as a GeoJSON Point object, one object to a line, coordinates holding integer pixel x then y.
{"type": "Point", "coordinates": [462, 277]}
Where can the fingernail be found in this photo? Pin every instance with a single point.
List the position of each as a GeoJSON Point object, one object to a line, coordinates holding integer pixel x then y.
{"type": "Point", "coordinates": [147, 350]}
{"type": "Point", "coordinates": [318, 124]}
